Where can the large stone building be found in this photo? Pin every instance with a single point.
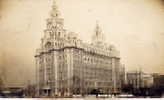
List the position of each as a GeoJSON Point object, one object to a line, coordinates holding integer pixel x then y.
{"type": "Point", "coordinates": [67, 65]}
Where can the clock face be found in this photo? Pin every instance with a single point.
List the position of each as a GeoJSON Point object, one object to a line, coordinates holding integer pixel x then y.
{"type": "Point", "coordinates": [48, 45]}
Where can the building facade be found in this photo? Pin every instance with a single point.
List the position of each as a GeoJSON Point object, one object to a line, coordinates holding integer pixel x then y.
{"type": "Point", "coordinates": [67, 65]}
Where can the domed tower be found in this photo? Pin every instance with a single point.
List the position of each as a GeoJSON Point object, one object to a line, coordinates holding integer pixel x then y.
{"type": "Point", "coordinates": [54, 24]}
{"type": "Point", "coordinates": [98, 36]}
{"type": "Point", "coordinates": [54, 32]}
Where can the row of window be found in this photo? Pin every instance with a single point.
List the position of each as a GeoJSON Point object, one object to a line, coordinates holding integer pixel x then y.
{"type": "Point", "coordinates": [97, 60]}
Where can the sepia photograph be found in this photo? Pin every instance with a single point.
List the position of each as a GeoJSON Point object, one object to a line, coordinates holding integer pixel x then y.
{"type": "Point", "coordinates": [82, 49]}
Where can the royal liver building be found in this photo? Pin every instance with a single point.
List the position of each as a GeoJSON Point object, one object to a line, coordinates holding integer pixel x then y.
{"type": "Point", "coordinates": [66, 65]}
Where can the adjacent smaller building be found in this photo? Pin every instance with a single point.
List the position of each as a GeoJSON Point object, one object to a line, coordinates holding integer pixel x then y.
{"type": "Point", "coordinates": [158, 80]}
{"type": "Point", "coordinates": [139, 79]}
{"type": "Point", "coordinates": [134, 79]}
{"type": "Point", "coordinates": [147, 80]}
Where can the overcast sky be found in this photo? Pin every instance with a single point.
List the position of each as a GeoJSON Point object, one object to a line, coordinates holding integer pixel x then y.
{"type": "Point", "coordinates": [135, 27]}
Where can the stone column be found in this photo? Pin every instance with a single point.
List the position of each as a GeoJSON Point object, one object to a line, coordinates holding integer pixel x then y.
{"type": "Point", "coordinates": [56, 71]}
{"type": "Point", "coordinates": [69, 64]}
{"type": "Point", "coordinates": [114, 75]}
{"type": "Point", "coordinates": [37, 74]}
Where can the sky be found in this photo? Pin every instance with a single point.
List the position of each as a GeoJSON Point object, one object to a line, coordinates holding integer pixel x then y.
{"type": "Point", "coordinates": [135, 27]}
